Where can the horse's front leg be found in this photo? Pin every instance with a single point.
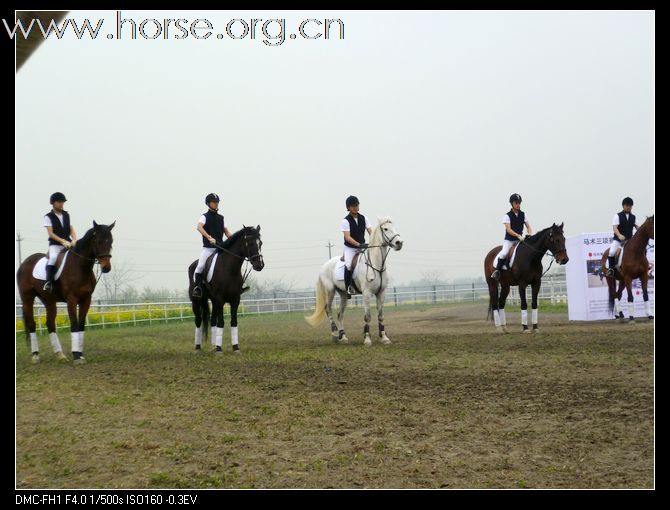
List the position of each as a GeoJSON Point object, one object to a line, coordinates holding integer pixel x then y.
{"type": "Point", "coordinates": [84, 305]}
{"type": "Point", "coordinates": [380, 318]}
{"type": "Point", "coordinates": [51, 327]}
{"type": "Point", "coordinates": [195, 306]}
{"type": "Point", "coordinates": [630, 308]}
{"type": "Point", "coordinates": [524, 307]}
{"type": "Point", "coordinates": [340, 317]}
{"type": "Point", "coordinates": [217, 326]}
{"type": "Point", "coordinates": [233, 324]}
{"type": "Point", "coordinates": [535, 291]}
{"type": "Point", "coordinates": [618, 312]}
{"type": "Point", "coordinates": [644, 280]}
{"type": "Point", "coordinates": [77, 347]}
{"type": "Point", "coordinates": [502, 299]}
{"type": "Point", "coordinates": [330, 295]}
{"type": "Point", "coordinates": [367, 341]}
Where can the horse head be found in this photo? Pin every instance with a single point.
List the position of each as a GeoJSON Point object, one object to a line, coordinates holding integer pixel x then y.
{"type": "Point", "coordinates": [556, 243]}
{"type": "Point", "coordinates": [388, 234]}
{"type": "Point", "coordinates": [252, 247]}
{"type": "Point", "coordinates": [649, 226]}
{"type": "Point", "coordinates": [101, 240]}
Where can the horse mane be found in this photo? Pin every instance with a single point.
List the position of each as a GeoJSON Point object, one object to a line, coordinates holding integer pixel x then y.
{"type": "Point", "coordinates": [537, 235]}
{"type": "Point", "coordinates": [376, 230]}
{"type": "Point", "coordinates": [234, 237]}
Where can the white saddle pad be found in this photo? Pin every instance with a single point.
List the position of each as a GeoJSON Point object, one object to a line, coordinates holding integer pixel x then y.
{"type": "Point", "coordinates": [509, 264]}
{"type": "Point", "coordinates": [210, 273]}
{"type": "Point", "coordinates": [40, 269]}
{"type": "Point", "coordinates": [619, 256]}
{"type": "Point", "coordinates": [338, 272]}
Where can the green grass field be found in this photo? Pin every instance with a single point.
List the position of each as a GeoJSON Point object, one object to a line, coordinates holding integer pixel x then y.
{"type": "Point", "coordinates": [448, 404]}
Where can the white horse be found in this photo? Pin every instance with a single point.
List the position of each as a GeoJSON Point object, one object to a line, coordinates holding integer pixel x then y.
{"type": "Point", "coordinates": [370, 276]}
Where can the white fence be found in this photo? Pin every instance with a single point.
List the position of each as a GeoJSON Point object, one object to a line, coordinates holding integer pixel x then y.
{"type": "Point", "coordinates": [116, 315]}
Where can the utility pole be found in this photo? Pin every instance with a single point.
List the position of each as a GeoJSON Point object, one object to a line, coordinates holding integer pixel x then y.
{"type": "Point", "coordinates": [18, 240]}
{"type": "Point", "coordinates": [329, 246]}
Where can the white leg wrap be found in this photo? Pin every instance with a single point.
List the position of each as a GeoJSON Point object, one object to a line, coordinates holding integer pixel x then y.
{"type": "Point", "coordinates": [219, 337]}
{"type": "Point", "coordinates": [75, 342]}
{"type": "Point", "coordinates": [617, 306]}
{"type": "Point", "coordinates": [496, 317]}
{"type": "Point", "coordinates": [647, 309]}
{"type": "Point", "coordinates": [524, 317]}
{"type": "Point", "coordinates": [629, 309]}
{"type": "Point", "coordinates": [34, 344]}
{"type": "Point", "coordinates": [55, 343]}
{"type": "Point", "coordinates": [233, 335]}
{"type": "Point", "coordinates": [212, 336]}
{"type": "Point", "coordinates": [533, 315]}
{"type": "Point", "coordinates": [198, 336]}
{"type": "Point", "coordinates": [81, 341]}
{"type": "Point", "coordinates": [503, 319]}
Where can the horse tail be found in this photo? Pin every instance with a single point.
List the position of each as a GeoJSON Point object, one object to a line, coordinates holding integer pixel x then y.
{"type": "Point", "coordinates": [320, 307]}
{"type": "Point", "coordinates": [204, 311]}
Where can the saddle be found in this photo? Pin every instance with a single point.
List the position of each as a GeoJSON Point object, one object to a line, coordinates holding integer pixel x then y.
{"type": "Point", "coordinates": [510, 258]}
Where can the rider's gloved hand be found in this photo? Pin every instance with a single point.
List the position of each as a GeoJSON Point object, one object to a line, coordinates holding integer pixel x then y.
{"type": "Point", "coordinates": [362, 246]}
{"type": "Point", "coordinates": [212, 240]}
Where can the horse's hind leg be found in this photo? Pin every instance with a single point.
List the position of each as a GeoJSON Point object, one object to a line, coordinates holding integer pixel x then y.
{"type": "Point", "coordinates": [535, 290]}
{"type": "Point", "coordinates": [340, 316]}
{"type": "Point", "coordinates": [524, 308]}
{"type": "Point", "coordinates": [28, 301]}
{"type": "Point", "coordinates": [502, 299]}
{"type": "Point", "coordinates": [628, 283]}
{"type": "Point", "coordinates": [330, 295]}
{"type": "Point", "coordinates": [51, 327]}
{"type": "Point", "coordinates": [366, 329]}
{"type": "Point", "coordinates": [77, 348]}
{"type": "Point", "coordinates": [195, 306]}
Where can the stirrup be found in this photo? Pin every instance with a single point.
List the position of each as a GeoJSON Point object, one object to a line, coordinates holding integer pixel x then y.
{"type": "Point", "coordinates": [495, 274]}
{"type": "Point", "coordinates": [48, 286]}
{"type": "Point", "coordinates": [244, 289]}
{"type": "Point", "coordinates": [197, 291]}
{"type": "Point", "coordinates": [610, 272]}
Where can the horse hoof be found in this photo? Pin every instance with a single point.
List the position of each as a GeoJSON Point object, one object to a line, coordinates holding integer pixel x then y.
{"type": "Point", "coordinates": [651, 317]}
{"type": "Point", "coordinates": [367, 342]}
{"type": "Point", "coordinates": [35, 359]}
{"type": "Point", "coordinates": [526, 331]}
{"type": "Point", "coordinates": [80, 361]}
{"type": "Point", "coordinates": [385, 340]}
{"type": "Point", "coordinates": [218, 351]}
{"type": "Point", "coordinates": [237, 351]}
{"type": "Point", "coordinates": [536, 330]}
{"type": "Point", "coordinates": [61, 357]}
{"type": "Point", "coordinates": [344, 339]}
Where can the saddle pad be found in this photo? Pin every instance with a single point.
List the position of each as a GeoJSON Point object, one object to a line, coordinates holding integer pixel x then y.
{"type": "Point", "coordinates": [338, 272]}
{"type": "Point", "coordinates": [210, 273]}
{"type": "Point", "coordinates": [40, 269]}
{"type": "Point", "coordinates": [510, 263]}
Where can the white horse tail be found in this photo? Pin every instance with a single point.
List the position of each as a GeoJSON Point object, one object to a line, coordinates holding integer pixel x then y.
{"type": "Point", "coordinates": [320, 308]}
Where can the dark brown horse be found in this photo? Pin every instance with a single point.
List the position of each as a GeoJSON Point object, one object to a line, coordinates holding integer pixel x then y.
{"type": "Point", "coordinates": [526, 270]}
{"type": "Point", "coordinates": [634, 265]}
{"type": "Point", "coordinates": [74, 287]}
{"type": "Point", "coordinates": [225, 287]}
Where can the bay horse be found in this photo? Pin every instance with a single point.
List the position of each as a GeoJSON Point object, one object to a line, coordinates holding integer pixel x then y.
{"type": "Point", "coordinates": [526, 270]}
{"type": "Point", "coordinates": [370, 275]}
{"type": "Point", "coordinates": [225, 286]}
{"type": "Point", "coordinates": [634, 264]}
{"type": "Point", "coordinates": [74, 287]}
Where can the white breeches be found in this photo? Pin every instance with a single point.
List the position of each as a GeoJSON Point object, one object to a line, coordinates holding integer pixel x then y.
{"type": "Point", "coordinates": [506, 247]}
{"type": "Point", "coordinates": [614, 247]}
{"type": "Point", "coordinates": [54, 250]}
{"type": "Point", "coordinates": [204, 254]}
{"type": "Point", "coordinates": [349, 254]}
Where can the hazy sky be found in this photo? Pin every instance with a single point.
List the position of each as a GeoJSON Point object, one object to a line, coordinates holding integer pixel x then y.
{"type": "Point", "coordinates": [433, 118]}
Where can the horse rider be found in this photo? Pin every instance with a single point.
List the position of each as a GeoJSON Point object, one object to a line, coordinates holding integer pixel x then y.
{"type": "Point", "coordinates": [353, 227]}
{"type": "Point", "coordinates": [61, 235]}
{"type": "Point", "coordinates": [622, 225]}
{"type": "Point", "coordinates": [212, 228]}
{"type": "Point", "coordinates": [514, 221]}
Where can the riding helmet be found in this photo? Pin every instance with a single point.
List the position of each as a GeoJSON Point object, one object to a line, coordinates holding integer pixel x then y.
{"type": "Point", "coordinates": [515, 198]}
{"type": "Point", "coordinates": [351, 200]}
{"type": "Point", "coordinates": [57, 197]}
{"type": "Point", "coordinates": [627, 201]}
{"type": "Point", "coordinates": [212, 197]}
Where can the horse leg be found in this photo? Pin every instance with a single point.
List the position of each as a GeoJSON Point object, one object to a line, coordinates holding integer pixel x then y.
{"type": "Point", "coordinates": [504, 292]}
{"type": "Point", "coordinates": [330, 295]}
{"type": "Point", "coordinates": [494, 304]}
{"type": "Point", "coordinates": [535, 290]}
{"type": "Point", "coordinates": [28, 301]}
{"type": "Point", "coordinates": [220, 323]}
{"type": "Point", "coordinates": [618, 312]}
{"type": "Point", "coordinates": [52, 310]}
{"type": "Point", "coordinates": [380, 317]}
{"type": "Point", "coordinates": [233, 324]}
{"type": "Point", "coordinates": [628, 283]}
{"type": "Point", "coordinates": [367, 341]}
{"type": "Point", "coordinates": [340, 317]}
{"type": "Point", "coordinates": [198, 322]}
{"type": "Point", "coordinates": [214, 328]}
{"type": "Point", "coordinates": [644, 280]}
{"type": "Point", "coordinates": [84, 305]}
{"type": "Point", "coordinates": [74, 330]}
{"type": "Point", "coordinates": [524, 307]}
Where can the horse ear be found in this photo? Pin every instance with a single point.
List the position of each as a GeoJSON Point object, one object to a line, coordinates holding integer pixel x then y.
{"type": "Point", "coordinates": [112, 225]}
{"type": "Point", "coordinates": [258, 227]}
{"type": "Point", "coordinates": [95, 225]}
{"type": "Point", "coordinates": [561, 226]}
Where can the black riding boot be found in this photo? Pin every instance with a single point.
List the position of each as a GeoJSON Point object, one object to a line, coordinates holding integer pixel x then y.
{"type": "Point", "coordinates": [51, 272]}
{"type": "Point", "coordinates": [347, 282]}
{"type": "Point", "coordinates": [612, 263]}
{"type": "Point", "coordinates": [197, 290]}
{"type": "Point", "coordinates": [496, 274]}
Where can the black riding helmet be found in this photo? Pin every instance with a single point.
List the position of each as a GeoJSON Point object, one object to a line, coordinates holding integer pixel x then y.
{"type": "Point", "coordinates": [627, 201]}
{"type": "Point", "coordinates": [212, 197]}
{"type": "Point", "coordinates": [57, 197]}
{"type": "Point", "coordinates": [515, 198]}
{"type": "Point", "coordinates": [351, 200]}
